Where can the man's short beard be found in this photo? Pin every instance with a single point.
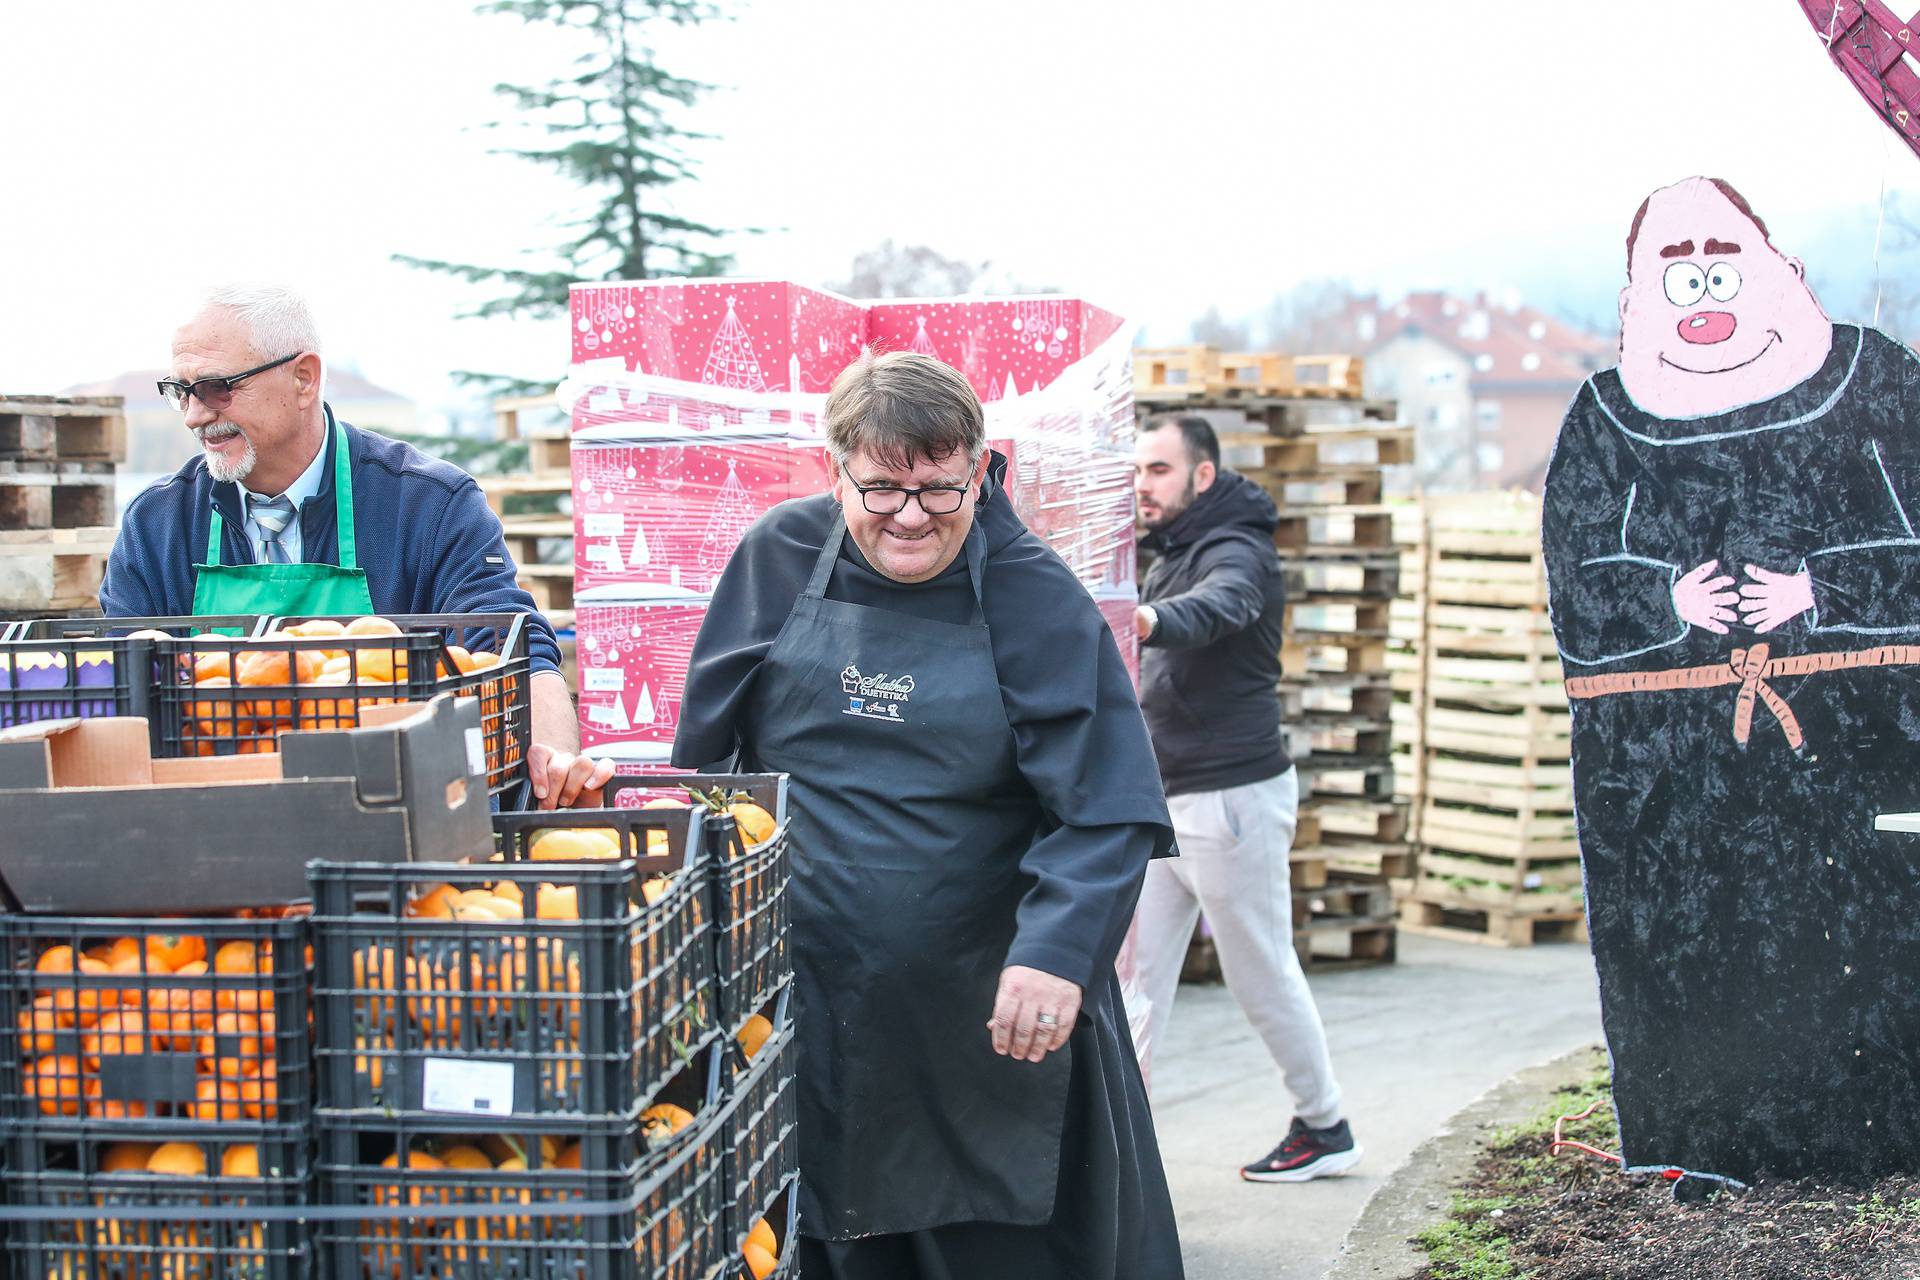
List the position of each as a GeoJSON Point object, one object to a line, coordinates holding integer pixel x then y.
{"type": "Point", "coordinates": [223, 471]}
{"type": "Point", "coordinates": [1169, 515]}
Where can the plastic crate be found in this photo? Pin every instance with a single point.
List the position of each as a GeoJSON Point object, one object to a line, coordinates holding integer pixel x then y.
{"type": "Point", "coordinates": [761, 1153]}
{"type": "Point", "coordinates": [527, 1020]}
{"type": "Point", "coordinates": [214, 1226]}
{"type": "Point", "coordinates": [53, 668]}
{"type": "Point", "coordinates": [117, 1044]}
{"type": "Point", "coordinates": [660, 1204]}
{"type": "Point", "coordinates": [222, 695]}
{"type": "Point", "coordinates": [751, 909]}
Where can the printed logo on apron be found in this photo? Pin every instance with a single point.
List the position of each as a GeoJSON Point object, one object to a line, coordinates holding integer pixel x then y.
{"type": "Point", "coordinates": [875, 697]}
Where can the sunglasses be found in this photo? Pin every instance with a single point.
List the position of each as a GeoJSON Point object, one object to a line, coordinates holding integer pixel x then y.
{"type": "Point", "coordinates": [215, 393]}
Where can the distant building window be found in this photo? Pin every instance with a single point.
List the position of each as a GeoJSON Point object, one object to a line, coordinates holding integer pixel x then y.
{"type": "Point", "coordinates": [1491, 457]}
{"type": "Point", "coordinates": [1367, 326]}
{"type": "Point", "coordinates": [1537, 330]}
{"type": "Point", "coordinates": [1446, 417]}
{"type": "Point", "coordinates": [1530, 362]}
{"type": "Point", "coordinates": [1487, 413]}
{"type": "Point", "coordinates": [1476, 327]}
{"type": "Point", "coordinates": [1449, 308]}
{"type": "Point", "coordinates": [1440, 375]}
{"type": "Point", "coordinates": [1482, 362]}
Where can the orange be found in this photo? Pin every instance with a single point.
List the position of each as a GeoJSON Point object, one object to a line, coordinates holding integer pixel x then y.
{"type": "Point", "coordinates": [217, 1101]}
{"type": "Point", "coordinates": [374, 971]}
{"type": "Point", "coordinates": [38, 1024]}
{"type": "Point", "coordinates": [371, 625]}
{"type": "Point", "coordinates": [55, 960]}
{"type": "Point", "coordinates": [241, 1160]}
{"type": "Point", "coordinates": [662, 1120]}
{"type": "Point", "coordinates": [416, 1194]}
{"type": "Point", "coordinates": [483, 660]}
{"type": "Point", "coordinates": [317, 629]}
{"type": "Point", "coordinates": [755, 823]}
{"type": "Point", "coordinates": [127, 1157]}
{"type": "Point", "coordinates": [379, 666]}
{"type": "Point", "coordinates": [181, 1159]}
{"type": "Point", "coordinates": [753, 1034]}
{"type": "Point", "coordinates": [260, 1090]}
{"type": "Point", "coordinates": [120, 1032]}
{"type": "Point", "coordinates": [465, 1157]}
{"type": "Point", "coordinates": [176, 949]}
{"type": "Point", "coordinates": [436, 902]}
{"type": "Point", "coordinates": [557, 903]}
{"type": "Point", "coordinates": [762, 1235]}
{"type": "Point", "coordinates": [574, 844]}
{"type": "Point", "coordinates": [654, 888]}
{"type": "Point", "coordinates": [55, 1081]}
{"type": "Point", "coordinates": [759, 1261]}
{"type": "Point", "coordinates": [462, 661]}
{"type": "Point", "coordinates": [371, 1058]}
{"type": "Point", "coordinates": [279, 666]}
{"type": "Point", "coordinates": [569, 1157]}
{"type": "Point", "coordinates": [220, 664]}
{"type": "Point", "coordinates": [219, 715]}
{"type": "Point", "coordinates": [234, 1046]}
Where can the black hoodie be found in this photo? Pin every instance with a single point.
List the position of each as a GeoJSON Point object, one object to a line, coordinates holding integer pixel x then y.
{"type": "Point", "coordinates": [1210, 671]}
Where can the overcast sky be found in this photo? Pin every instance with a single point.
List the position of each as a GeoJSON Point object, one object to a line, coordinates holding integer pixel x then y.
{"type": "Point", "coordinates": [1157, 157]}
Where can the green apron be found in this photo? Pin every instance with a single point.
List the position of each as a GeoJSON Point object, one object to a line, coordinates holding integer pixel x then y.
{"type": "Point", "coordinates": [290, 590]}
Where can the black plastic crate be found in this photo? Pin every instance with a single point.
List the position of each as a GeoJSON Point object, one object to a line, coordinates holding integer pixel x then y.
{"type": "Point", "coordinates": [229, 696]}
{"type": "Point", "coordinates": [516, 1021]}
{"type": "Point", "coordinates": [762, 1152]}
{"type": "Point", "coordinates": [128, 1027]}
{"type": "Point", "coordinates": [213, 1225]}
{"type": "Point", "coordinates": [656, 1207]}
{"type": "Point", "coordinates": [53, 668]}
{"type": "Point", "coordinates": [751, 909]}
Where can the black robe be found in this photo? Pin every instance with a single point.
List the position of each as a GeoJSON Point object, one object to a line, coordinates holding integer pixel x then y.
{"type": "Point", "coordinates": [1083, 749]}
{"type": "Point", "coordinates": [1758, 943]}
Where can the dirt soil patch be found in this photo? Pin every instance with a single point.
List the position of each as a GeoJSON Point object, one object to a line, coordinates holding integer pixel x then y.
{"type": "Point", "coordinates": [1528, 1215]}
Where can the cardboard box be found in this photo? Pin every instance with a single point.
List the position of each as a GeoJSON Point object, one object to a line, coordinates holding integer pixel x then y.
{"type": "Point", "coordinates": [755, 336]}
{"type": "Point", "coordinates": [663, 519]}
{"type": "Point", "coordinates": [1005, 346]}
{"type": "Point", "coordinates": [633, 674]}
{"type": "Point", "coordinates": [96, 826]}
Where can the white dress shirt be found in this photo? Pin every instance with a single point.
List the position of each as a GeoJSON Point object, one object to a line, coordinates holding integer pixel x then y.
{"type": "Point", "coordinates": [297, 493]}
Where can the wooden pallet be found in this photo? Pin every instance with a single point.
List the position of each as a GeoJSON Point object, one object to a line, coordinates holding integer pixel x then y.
{"type": "Point", "coordinates": [1518, 732]}
{"type": "Point", "coordinates": [536, 539]}
{"type": "Point", "coordinates": [1330, 945]}
{"type": "Point", "coordinates": [1337, 615]}
{"type": "Point", "coordinates": [1325, 740]}
{"type": "Point", "coordinates": [1331, 449]}
{"type": "Point", "coordinates": [53, 570]}
{"type": "Point", "coordinates": [1355, 899]}
{"type": "Point", "coordinates": [499, 488]}
{"type": "Point", "coordinates": [525, 417]}
{"type": "Point", "coordinates": [1334, 531]}
{"type": "Point", "coordinates": [1199, 372]}
{"type": "Point", "coordinates": [63, 428]}
{"type": "Point", "coordinates": [1465, 921]}
{"type": "Point", "coordinates": [1389, 861]}
{"type": "Point", "coordinates": [1366, 696]}
{"type": "Point", "coordinates": [1358, 819]}
{"type": "Point", "coordinates": [1334, 655]}
{"type": "Point", "coordinates": [550, 585]}
{"type": "Point", "coordinates": [55, 495]}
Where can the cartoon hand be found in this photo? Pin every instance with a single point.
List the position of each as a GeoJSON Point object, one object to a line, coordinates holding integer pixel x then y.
{"type": "Point", "coordinates": [1704, 601]}
{"type": "Point", "coordinates": [1773, 598]}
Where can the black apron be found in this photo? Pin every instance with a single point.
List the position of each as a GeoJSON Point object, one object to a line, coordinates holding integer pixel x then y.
{"type": "Point", "coordinates": [910, 820]}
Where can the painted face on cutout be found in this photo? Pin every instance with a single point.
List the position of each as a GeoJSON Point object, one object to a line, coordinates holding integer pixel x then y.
{"type": "Point", "coordinates": [908, 545]}
{"type": "Point", "coordinates": [1713, 317]}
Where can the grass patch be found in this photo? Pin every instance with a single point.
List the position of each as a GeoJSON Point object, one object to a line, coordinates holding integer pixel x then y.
{"type": "Point", "coordinates": [1469, 1244]}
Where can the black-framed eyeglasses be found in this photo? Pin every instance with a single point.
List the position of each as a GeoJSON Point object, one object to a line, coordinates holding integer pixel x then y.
{"type": "Point", "coordinates": [215, 393]}
{"type": "Point", "coordinates": [889, 500]}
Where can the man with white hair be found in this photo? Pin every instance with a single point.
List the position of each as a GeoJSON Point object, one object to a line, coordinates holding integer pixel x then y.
{"type": "Point", "coordinates": [287, 510]}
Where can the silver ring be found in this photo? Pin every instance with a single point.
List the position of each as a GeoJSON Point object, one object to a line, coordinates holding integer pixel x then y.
{"type": "Point", "coordinates": [1047, 1020]}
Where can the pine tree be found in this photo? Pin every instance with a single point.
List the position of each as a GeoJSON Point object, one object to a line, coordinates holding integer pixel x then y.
{"type": "Point", "coordinates": [610, 120]}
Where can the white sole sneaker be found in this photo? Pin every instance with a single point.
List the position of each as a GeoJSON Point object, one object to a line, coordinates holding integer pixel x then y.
{"type": "Point", "coordinates": [1330, 1165]}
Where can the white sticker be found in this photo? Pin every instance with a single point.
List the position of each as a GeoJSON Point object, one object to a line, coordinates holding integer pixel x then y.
{"type": "Point", "coordinates": [476, 751]}
{"type": "Point", "coordinates": [467, 1088]}
{"type": "Point", "coordinates": [604, 679]}
{"type": "Point", "coordinates": [604, 524]}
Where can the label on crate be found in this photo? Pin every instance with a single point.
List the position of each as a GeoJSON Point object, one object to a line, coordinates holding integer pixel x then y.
{"type": "Point", "coordinates": [476, 751]}
{"type": "Point", "coordinates": [466, 1088]}
{"type": "Point", "coordinates": [604, 679]}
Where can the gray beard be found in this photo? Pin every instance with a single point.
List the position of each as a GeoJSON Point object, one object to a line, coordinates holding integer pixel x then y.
{"type": "Point", "coordinates": [225, 472]}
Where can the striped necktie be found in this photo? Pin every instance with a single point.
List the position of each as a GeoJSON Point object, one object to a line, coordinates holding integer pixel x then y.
{"type": "Point", "coordinates": [273, 515]}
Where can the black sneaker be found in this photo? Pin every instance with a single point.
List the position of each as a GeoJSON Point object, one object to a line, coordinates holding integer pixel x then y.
{"type": "Point", "coordinates": [1307, 1154]}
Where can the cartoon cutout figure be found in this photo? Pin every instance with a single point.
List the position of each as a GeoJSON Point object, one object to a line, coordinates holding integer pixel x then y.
{"type": "Point", "coordinates": [1734, 582]}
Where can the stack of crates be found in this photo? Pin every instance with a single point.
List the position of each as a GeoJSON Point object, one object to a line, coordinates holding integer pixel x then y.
{"type": "Point", "coordinates": [155, 1093]}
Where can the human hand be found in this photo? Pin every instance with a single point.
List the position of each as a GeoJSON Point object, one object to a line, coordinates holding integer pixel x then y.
{"type": "Point", "coordinates": [1773, 598]}
{"type": "Point", "coordinates": [1704, 601]}
{"type": "Point", "coordinates": [1143, 622]}
{"type": "Point", "coordinates": [1027, 995]}
{"type": "Point", "coordinates": [562, 780]}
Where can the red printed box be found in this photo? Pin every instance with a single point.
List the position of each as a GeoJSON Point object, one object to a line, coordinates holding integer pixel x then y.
{"type": "Point", "coordinates": [1081, 504]}
{"type": "Point", "coordinates": [1005, 346]}
{"type": "Point", "coordinates": [1117, 608]}
{"type": "Point", "coordinates": [752, 336]}
{"type": "Point", "coordinates": [664, 518]}
{"type": "Point", "coordinates": [633, 672]}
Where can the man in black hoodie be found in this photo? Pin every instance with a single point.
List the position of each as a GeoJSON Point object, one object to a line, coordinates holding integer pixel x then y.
{"type": "Point", "coordinates": [1209, 624]}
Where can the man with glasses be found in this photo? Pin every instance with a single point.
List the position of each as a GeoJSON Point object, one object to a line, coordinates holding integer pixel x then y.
{"type": "Point", "coordinates": [974, 803]}
{"type": "Point", "coordinates": [287, 510]}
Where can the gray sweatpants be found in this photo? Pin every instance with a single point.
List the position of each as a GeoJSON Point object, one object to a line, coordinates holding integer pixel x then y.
{"type": "Point", "coordinates": [1233, 865]}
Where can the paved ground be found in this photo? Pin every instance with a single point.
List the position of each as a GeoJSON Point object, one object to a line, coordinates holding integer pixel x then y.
{"type": "Point", "coordinates": [1412, 1043]}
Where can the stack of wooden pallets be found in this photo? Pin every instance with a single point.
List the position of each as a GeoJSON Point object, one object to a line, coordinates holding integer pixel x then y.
{"type": "Point", "coordinates": [58, 456]}
{"type": "Point", "coordinates": [541, 543]}
{"type": "Point", "coordinates": [1499, 860]}
{"type": "Point", "coordinates": [1299, 427]}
